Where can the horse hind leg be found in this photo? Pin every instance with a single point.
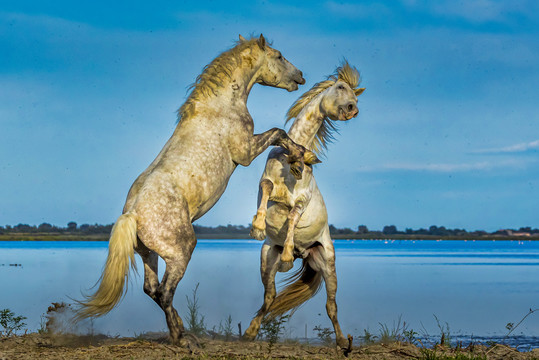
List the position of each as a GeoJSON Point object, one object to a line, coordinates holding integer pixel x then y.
{"type": "Point", "coordinates": [258, 230]}
{"type": "Point", "coordinates": [176, 264]}
{"type": "Point", "coordinates": [327, 267]}
{"type": "Point", "coordinates": [151, 279]}
{"type": "Point", "coordinates": [269, 261]}
{"type": "Point", "coordinates": [173, 239]}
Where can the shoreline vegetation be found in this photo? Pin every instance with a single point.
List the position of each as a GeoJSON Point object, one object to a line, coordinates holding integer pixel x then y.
{"type": "Point", "coordinates": [96, 232]}
{"type": "Point", "coordinates": [59, 338]}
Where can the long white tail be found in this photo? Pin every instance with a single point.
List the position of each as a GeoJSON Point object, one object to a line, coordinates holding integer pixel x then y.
{"type": "Point", "coordinates": [122, 243]}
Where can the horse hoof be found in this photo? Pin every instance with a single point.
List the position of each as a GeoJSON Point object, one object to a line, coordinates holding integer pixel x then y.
{"type": "Point", "coordinates": [246, 337]}
{"type": "Point", "coordinates": [345, 345]}
{"type": "Point", "coordinates": [188, 341]}
{"type": "Point", "coordinates": [258, 234]}
{"type": "Point", "coordinates": [285, 266]}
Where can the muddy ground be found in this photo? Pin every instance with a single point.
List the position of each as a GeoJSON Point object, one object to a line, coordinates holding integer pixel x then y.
{"type": "Point", "coordinates": [43, 346]}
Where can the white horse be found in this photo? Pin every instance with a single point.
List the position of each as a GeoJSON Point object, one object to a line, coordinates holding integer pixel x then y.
{"type": "Point", "coordinates": [213, 136]}
{"type": "Point", "coordinates": [292, 212]}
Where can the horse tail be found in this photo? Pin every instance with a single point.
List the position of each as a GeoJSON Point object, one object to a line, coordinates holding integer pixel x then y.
{"type": "Point", "coordinates": [122, 243]}
{"type": "Point", "coordinates": [301, 286]}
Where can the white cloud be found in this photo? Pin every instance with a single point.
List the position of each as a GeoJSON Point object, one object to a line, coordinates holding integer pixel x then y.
{"type": "Point", "coordinates": [512, 149]}
{"type": "Point", "coordinates": [511, 164]}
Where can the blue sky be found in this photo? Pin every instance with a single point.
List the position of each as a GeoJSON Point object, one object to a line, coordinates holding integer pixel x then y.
{"type": "Point", "coordinates": [448, 131]}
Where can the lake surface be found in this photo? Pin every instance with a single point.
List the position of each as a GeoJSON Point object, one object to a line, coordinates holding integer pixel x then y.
{"type": "Point", "coordinates": [476, 287]}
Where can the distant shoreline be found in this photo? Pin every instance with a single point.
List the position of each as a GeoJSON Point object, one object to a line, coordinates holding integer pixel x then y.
{"type": "Point", "coordinates": [105, 237]}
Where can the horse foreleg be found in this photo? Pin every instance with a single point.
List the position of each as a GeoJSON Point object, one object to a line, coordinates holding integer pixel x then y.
{"type": "Point", "coordinates": [276, 137]}
{"type": "Point", "coordinates": [287, 256]}
{"type": "Point", "coordinates": [298, 156]}
{"type": "Point", "coordinates": [258, 230]}
{"type": "Point", "coordinates": [330, 277]}
{"type": "Point", "coordinates": [269, 260]}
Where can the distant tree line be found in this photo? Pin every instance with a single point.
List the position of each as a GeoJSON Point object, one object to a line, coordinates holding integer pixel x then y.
{"type": "Point", "coordinates": [229, 229]}
{"type": "Point", "coordinates": [71, 228]}
{"type": "Point", "coordinates": [362, 230]}
{"type": "Point", "coordinates": [432, 231]}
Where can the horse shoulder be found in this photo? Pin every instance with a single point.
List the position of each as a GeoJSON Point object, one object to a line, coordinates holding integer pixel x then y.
{"type": "Point", "coordinates": [239, 135]}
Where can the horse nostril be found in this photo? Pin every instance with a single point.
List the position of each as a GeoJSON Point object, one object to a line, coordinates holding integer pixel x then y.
{"type": "Point", "coordinates": [350, 107]}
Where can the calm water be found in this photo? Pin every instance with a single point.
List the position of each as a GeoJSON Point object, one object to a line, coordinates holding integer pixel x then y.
{"type": "Point", "coordinates": [477, 287]}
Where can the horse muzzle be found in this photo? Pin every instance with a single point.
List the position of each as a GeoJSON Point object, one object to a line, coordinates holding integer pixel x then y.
{"type": "Point", "coordinates": [348, 112]}
{"type": "Point", "coordinates": [298, 78]}
{"type": "Point", "coordinates": [295, 80]}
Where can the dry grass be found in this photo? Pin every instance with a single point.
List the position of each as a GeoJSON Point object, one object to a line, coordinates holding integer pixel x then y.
{"type": "Point", "coordinates": [42, 346]}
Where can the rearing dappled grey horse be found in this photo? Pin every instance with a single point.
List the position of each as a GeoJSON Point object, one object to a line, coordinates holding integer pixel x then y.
{"type": "Point", "coordinates": [292, 212]}
{"type": "Point", "coordinates": [214, 134]}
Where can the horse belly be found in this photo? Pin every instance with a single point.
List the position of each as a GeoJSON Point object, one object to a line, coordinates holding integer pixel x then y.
{"type": "Point", "coordinates": [311, 225]}
{"type": "Point", "coordinates": [199, 177]}
{"type": "Point", "coordinates": [198, 210]}
{"type": "Point", "coordinates": [206, 189]}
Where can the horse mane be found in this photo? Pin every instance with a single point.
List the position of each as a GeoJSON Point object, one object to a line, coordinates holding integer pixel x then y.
{"type": "Point", "coordinates": [213, 76]}
{"type": "Point", "coordinates": [324, 135]}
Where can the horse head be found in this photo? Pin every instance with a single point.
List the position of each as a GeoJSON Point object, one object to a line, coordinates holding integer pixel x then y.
{"type": "Point", "coordinates": [275, 70]}
{"type": "Point", "coordinates": [340, 99]}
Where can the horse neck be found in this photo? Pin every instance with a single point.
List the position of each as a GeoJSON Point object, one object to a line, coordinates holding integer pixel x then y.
{"type": "Point", "coordinates": [307, 123]}
{"type": "Point", "coordinates": [225, 89]}
{"type": "Point", "coordinates": [241, 83]}
{"type": "Point", "coordinates": [236, 88]}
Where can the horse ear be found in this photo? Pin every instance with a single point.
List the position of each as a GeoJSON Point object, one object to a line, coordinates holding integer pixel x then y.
{"type": "Point", "coordinates": [359, 91]}
{"type": "Point", "coordinates": [262, 42]}
{"type": "Point", "coordinates": [242, 39]}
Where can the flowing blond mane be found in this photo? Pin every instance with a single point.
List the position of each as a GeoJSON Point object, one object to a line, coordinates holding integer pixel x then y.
{"type": "Point", "coordinates": [324, 135]}
{"type": "Point", "coordinates": [213, 77]}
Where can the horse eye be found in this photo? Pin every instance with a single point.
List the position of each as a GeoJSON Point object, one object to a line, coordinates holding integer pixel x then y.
{"type": "Point", "coordinates": [341, 87]}
{"type": "Point", "coordinates": [280, 57]}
